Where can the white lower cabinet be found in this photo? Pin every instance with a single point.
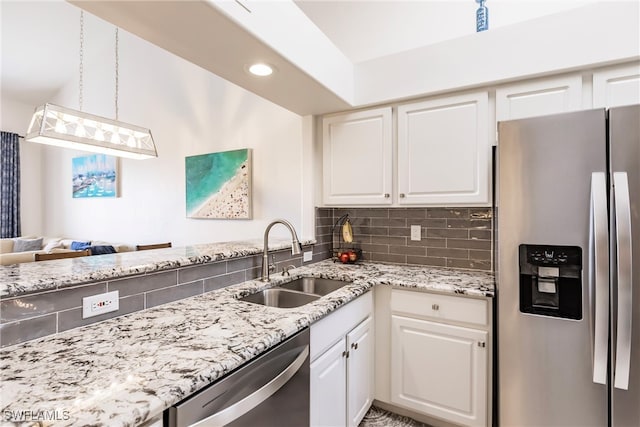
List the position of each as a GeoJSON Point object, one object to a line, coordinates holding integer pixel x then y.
{"type": "Point", "coordinates": [439, 369]}
{"type": "Point", "coordinates": [360, 375]}
{"type": "Point", "coordinates": [342, 356]}
{"type": "Point", "coordinates": [328, 388]}
{"type": "Point", "coordinates": [440, 356]}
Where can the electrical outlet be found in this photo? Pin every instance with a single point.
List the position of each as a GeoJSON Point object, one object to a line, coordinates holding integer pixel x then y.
{"type": "Point", "coordinates": [307, 256]}
{"type": "Point", "coordinates": [416, 232]}
{"type": "Point", "coordinates": [99, 304]}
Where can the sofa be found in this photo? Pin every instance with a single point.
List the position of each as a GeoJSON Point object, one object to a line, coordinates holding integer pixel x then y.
{"type": "Point", "coordinates": [9, 255]}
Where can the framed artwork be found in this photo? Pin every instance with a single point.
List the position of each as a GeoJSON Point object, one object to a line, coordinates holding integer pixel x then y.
{"type": "Point", "coordinates": [218, 185]}
{"type": "Point", "coordinates": [94, 176]}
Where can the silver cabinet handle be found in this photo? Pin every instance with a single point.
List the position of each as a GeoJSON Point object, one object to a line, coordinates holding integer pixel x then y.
{"type": "Point", "coordinates": [354, 346]}
{"type": "Point", "coordinates": [402, 195]}
{"type": "Point", "coordinates": [599, 275]}
{"type": "Point", "coordinates": [435, 307]}
{"type": "Point", "coordinates": [482, 344]}
{"type": "Point", "coordinates": [387, 195]}
{"type": "Point", "coordinates": [245, 405]}
{"type": "Point", "coordinates": [623, 248]}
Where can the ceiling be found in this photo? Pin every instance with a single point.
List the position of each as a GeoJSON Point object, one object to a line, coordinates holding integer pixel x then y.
{"type": "Point", "coordinates": [368, 29]}
{"type": "Point", "coordinates": [39, 39]}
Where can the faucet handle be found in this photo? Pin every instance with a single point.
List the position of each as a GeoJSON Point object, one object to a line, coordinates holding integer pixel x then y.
{"type": "Point", "coordinates": [286, 269]}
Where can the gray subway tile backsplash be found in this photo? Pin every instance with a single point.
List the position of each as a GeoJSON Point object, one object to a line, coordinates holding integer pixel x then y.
{"type": "Point", "coordinates": [173, 293]}
{"type": "Point", "coordinates": [241, 264]}
{"type": "Point", "coordinates": [224, 280]}
{"type": "Point", "coordinates": [28, 329]}
{"type": "Point", "coordinates": [450, 237]}
{"type": "Point", "coordinates": [407, 250]}
{"type": "Point", "coordinates": [138, 284]}
{"type": "Point", "coordinates": [468, 263]}
{"type": "Point", "coordinates": [189, 274]}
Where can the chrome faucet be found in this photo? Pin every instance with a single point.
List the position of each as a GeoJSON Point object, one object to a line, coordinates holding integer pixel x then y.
{"type": "Point", "coordinates": [296, 248]}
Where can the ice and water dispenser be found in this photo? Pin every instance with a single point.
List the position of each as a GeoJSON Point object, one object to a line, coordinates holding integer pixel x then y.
{"type": "Point", "coordinates": [551, 281]}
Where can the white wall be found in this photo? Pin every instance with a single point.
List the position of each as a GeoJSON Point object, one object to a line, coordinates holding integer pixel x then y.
{"type": "Point", "coordinates": [591, 36]}
{"type": "Point", "coordinates": [189, 111]}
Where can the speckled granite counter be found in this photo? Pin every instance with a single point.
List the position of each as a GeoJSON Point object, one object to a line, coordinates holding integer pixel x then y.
{"type": "Point", "coordinates": [127, 370]}
{"type": "Point", "coordinates": [32, 277]}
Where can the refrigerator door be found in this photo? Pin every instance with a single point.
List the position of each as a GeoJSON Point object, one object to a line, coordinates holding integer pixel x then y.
{"type": "Point", "coordinates": [545, 370]}
{"type": "Point", "coordinates": [624, 137]}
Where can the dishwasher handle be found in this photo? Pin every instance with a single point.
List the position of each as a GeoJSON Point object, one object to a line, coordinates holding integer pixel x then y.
{"type": "Point", "coordinates": [245, 405]}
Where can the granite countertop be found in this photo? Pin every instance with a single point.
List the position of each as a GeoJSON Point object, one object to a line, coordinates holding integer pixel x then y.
{"type": "Point", "coordinates": [29, 277]}
{"type": "Point", "coordinates": [127, 370]}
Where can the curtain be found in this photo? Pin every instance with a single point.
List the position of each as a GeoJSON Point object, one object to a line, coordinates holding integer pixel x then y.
{"type": "Point", "coordinates": [9, 185]}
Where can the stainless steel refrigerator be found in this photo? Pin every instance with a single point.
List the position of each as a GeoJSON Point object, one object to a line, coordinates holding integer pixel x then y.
{"type": "Point", "coordinates": [568, 269]}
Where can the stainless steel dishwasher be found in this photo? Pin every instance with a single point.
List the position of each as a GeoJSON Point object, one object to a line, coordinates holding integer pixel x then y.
{"type": "Point", "coordinates": [271, 390]}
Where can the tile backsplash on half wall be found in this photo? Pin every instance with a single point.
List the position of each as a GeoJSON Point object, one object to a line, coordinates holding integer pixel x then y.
{"type": "Point", "coordinates": [451, 237]}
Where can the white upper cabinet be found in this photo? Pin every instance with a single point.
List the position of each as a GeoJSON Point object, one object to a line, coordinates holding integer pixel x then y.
{"type": "Point", "coordinates": [616, 86]}
{"type": "Point", "coordinates": [357, 158]}
{"type": "Point", "coordinates": [539, 97]}
{"type": "Point", "coordinates": [444, 151]}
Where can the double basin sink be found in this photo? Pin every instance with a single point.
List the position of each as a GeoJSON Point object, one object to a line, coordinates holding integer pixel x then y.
{"type": "Point", "coordinates": [295, 293]}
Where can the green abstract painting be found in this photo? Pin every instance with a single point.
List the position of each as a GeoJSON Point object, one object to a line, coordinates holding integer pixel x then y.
{"type": "Point", "coordinates": [218, 185]}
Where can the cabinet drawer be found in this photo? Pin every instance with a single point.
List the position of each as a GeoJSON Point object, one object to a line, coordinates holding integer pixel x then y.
{"type": "Point", "coordinates": [443, 307]}
{"type": "Point", "coordinates": [332, 328]}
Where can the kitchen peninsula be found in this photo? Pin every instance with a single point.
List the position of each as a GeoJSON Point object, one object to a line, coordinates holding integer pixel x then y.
{"type": "Point", "coordinates": [128, 370]}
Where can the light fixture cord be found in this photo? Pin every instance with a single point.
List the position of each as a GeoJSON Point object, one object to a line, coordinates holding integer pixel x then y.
{"type": "Point", "coordinates": [117, 66]}
{"type": "Point", "coordinates": [81, 57]}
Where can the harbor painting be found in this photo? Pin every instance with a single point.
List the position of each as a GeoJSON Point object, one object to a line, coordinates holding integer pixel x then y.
{"type": "Point", "coordinates": [95, 176]}
{"type": "Point", "coordinates": [218, 185]}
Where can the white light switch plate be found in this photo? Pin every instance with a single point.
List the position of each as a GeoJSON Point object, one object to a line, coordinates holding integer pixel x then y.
{"type": "Point", "coordinates": [99, 304]}
{"type": "Point", "coordinates": [416, 232]}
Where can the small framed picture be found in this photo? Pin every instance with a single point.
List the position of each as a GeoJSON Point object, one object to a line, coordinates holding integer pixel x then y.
{"type": "Point", "coordinates": [94, 176]}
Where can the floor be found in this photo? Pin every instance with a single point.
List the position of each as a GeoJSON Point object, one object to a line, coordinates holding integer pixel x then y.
{"type": "Point", "coordinates": [377, 417]}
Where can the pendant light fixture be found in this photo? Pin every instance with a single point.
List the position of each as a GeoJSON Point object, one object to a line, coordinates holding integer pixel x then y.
{"type": "Point", "coordinates": [64, 127]}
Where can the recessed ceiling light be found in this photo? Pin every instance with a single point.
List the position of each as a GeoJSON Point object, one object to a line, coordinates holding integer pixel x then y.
{"type": "Point", "coordinates": [261, 69]}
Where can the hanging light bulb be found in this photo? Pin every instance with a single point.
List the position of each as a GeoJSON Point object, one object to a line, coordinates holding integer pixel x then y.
{"type": "Point", "coordinates": [64, 127]}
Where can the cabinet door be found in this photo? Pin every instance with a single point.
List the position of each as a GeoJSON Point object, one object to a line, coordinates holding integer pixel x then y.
{"type": "Point", "coordinates": [439, 370]}
{"type": "Point", "coordinates": [360, 375]}
{"type": "Point", "coordinates": [616, 86]}
{"type": "Point", "coordinates": [328, 399]}
{"type": "Point", "coordinates": [444, 151]}
{"type": "Point", "coordinates": [539, 97]}
{"type": "Point", "coordinates": [357, 158]}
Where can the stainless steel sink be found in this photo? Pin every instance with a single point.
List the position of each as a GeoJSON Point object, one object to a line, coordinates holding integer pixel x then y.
{"type": "Point", "coordinates": [295, 293]}
{"type": "Point", "coordinates": [314, 285]}
{"type": "Point", "coordinates": [282, 298]}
